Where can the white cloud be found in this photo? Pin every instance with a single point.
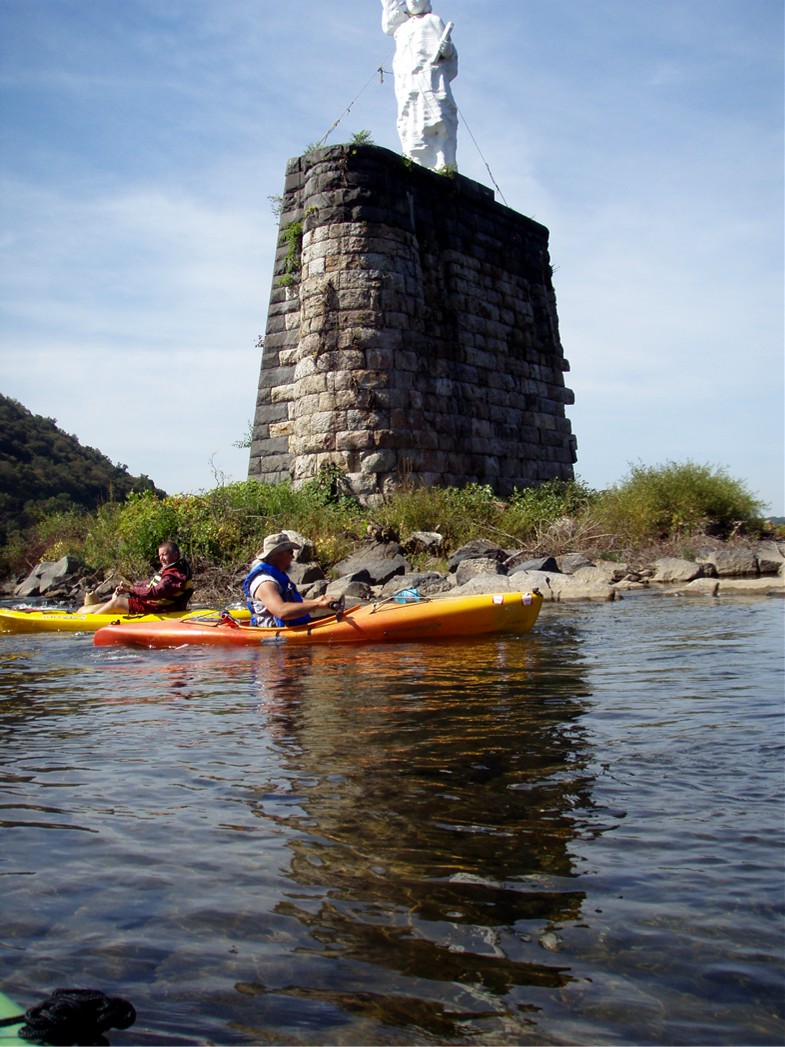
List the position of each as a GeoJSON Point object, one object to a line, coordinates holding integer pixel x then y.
{"type": "Point", "coordinates": [143, 141]}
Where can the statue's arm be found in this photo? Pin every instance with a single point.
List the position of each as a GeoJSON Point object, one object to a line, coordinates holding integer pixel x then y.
{"type": "Point", "coordinates": [446, 48]}
{"type": "Point", "coordinates": [394, 13]}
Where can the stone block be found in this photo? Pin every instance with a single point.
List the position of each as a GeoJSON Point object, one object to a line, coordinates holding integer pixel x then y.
{"type": "Point", "coordinates": [282, 394]}
{"type": "Point", "coordinates": [281, 429]}
{"type": "Point", "coordinates": [354, 440]}
{"type": "Point", "coordinates": [378, 462]}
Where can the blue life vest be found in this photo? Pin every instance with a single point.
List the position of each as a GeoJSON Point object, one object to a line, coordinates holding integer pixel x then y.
{"type": "Point", "coordinates": [286, 588]}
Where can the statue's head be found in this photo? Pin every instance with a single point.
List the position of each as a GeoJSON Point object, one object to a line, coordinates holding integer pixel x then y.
{"type": "Point", "coordinates": [418, 7]}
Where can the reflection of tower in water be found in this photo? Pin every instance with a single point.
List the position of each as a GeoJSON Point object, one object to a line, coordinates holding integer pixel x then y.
{"type": "Point", "coordinates": [441, 787]}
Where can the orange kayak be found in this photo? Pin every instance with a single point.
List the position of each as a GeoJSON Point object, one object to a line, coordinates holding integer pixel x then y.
{"type": "Point", "coordinates": [434, 618]}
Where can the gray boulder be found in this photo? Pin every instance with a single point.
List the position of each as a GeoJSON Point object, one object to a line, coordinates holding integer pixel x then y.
{"type": "Point", "coordinates": [379, 572]}
{"type": "Point", "coordinates": [616, 571]}
{"type": "Point", "coordinates": [571, 562]}
{"type": "Point", "coordinates": [771, 559]}
{"type": "Point", "coordinates": [768, 585]}
{"type": "Point", "coordinates": [47, 575]}
{"type": "Point", "coordinates": [303, 574]}
{"type": "Point", "coordinates": [480, 565]}
{"type": "Point", "coordinates": [477, 548]}
{"type": "Point", "coordinates": [555, 587]}
{"type": "Point", "coordinates": [731, 563]}
{"type": "Point", "coordinates": [698, 587]}
{"type": "Point", "coordinates": [430, 542]}
{"type": "Point", "coordinates": [671, 570]}
{"type": "Point", "coordinates": [605, 573]}
{"type": "Point", "coordinates": [429, 583]}
{"type": "Point", "coordinates": [353, 589]}
{"type": "Point", "coordinates": [542, 563]}
{"type": "Point", "coordinates": [562, 587]}
{"type": "Point", "coordinates": [379, 561]}
{"type": "Point", "coordinates": [314, 589]}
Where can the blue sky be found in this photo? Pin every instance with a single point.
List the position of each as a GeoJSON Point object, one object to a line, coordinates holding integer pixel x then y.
{"type": "Point", "coordinates": [141, 140]}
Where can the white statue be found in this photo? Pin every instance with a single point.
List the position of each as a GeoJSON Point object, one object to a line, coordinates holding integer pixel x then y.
{"type": "Point", "coordinates": [425, 63]}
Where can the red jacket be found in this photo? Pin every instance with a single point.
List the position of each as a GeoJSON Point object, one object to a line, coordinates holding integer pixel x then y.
{"type": "Point", "coordinates": [168, 590]}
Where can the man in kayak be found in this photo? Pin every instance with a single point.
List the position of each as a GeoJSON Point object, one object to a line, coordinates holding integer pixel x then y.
{"type": "Point", "coordinates": [169, 589]}
{"type": "Point", "coordinates": [272, 596]}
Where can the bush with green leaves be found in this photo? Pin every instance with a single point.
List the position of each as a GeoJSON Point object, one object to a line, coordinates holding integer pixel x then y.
{"type": "Point", "coordinates": [660, 502]}
{"type": "Point", "coordinates": [225, 527]}
{"type": "Point", "coordinates": [126, 536]}
{"type": "Point", "coordinates": [474, 511]}
{"type": "Point", "coordinates": [533, 510]}
{"type": "Point", "coordinates": [457, 513]}
{"type": "Point", "coordinates": [49, 538]}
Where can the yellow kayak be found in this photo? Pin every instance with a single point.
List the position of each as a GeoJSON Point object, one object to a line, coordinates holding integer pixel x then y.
{"type": "Point", "coordinates": [436, 618]}
{"type": "Point", "coordinates": [16, 620]}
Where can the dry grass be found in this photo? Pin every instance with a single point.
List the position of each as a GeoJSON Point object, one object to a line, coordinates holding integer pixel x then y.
{"type": "Point", "coordinates": [217, 585]}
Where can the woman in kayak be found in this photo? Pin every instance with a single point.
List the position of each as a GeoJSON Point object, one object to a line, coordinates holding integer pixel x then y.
{"type": "Point", "coordinates": [271, 595]}
{"type": "Point", "coordinates": [169, 589]}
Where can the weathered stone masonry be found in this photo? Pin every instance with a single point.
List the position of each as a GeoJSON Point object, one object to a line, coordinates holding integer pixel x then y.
{"type": "Point", "coordinates": [412, 333]}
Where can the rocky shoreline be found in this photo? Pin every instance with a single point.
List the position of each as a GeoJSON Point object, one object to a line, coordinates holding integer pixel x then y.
{"type": "Point", "coordinates": [377, 570]}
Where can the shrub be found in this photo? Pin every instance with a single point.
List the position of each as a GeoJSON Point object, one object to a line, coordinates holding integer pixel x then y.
{"type": "Point", "coordinates": [668, 501]}
{"type": "Point", "coordinates": [474, 511]}
{"type": "Point", "coordinates": [126, 537]}
{"type": "Point", "coordinates": [327, 512]}
{"type": "Point", "coordinates": [533, 510]}
{"type": "Point", "coordinates": [61, 533]}
{"type": "Point", "coordinates": [225, 527]}
{"type": "Point", "coordinates": [458, 513]}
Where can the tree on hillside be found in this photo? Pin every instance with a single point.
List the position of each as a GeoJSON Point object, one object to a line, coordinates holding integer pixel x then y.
{"type": "Point", "coordinates": [45, 470]}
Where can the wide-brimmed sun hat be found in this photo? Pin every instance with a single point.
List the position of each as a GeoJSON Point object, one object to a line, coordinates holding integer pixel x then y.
{"type": "Point", "coordinates": [277, 543]}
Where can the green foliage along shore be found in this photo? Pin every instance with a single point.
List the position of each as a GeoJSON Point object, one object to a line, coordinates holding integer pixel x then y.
{"type": "Point", "coordinates": [45, 473]}
{"type": "Point", "coordinates": [669, 507]}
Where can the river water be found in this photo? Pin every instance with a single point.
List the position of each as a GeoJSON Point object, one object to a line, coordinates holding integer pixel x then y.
{"type": "Point", "coordinates": [573, 837]}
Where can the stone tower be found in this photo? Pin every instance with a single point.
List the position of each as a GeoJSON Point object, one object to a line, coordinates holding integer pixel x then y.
{"type": "Point", "coordinates": [412, 333]}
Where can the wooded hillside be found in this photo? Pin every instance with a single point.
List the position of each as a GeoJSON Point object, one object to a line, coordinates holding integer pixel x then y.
{"type": "Point", "coordinates": [44, 470]}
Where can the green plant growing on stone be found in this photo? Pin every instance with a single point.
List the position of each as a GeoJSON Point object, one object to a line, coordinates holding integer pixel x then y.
{"type": "Point", "coordinates": [292, 236]}
{"type": "Point", "coordinates": [361, 138]}
{"type": "Point", "coordinates": [247, 439]}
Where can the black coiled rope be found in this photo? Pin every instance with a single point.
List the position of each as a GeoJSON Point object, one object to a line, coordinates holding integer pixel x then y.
{"type": "Point", "coordinates": [72, 1016]}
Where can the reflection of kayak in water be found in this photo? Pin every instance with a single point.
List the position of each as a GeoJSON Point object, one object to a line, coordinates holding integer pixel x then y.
{"type": "Point", "coordinates": [16, 620]}
{"type": "Point", "coordinates": [388, 622]}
